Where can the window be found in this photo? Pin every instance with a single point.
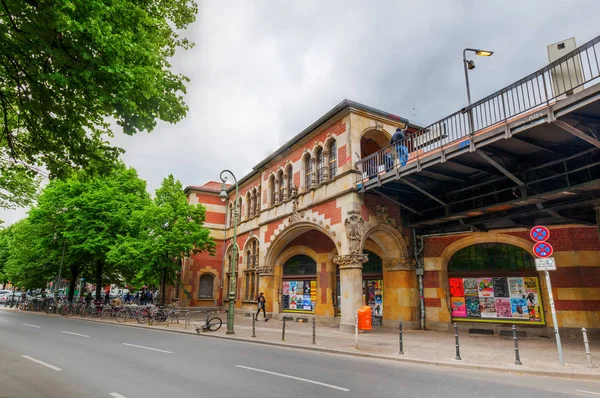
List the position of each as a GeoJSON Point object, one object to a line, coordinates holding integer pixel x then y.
{"type": "Point", "coordinates": [300, 265]}
{"type": "Point", "coordinates": [251, 272]}
{"type": "Point", "coordinates": [230, 215]}
{"type": "Point", "coordinates": [374, 264]}
{"type": "Point", "coordinates": [332, 159]}
{"type": "Point", "coordinates": [320, 166]}
{"type": "Point", "coordinates": [491, 257]}
{"type": "Point", "coordinates": [281, 184]}
{"type": "Point", "coordinates": [239, 210]}
{"type": "Point", "coordinates": [206, 286]}
{"type": "Point", "coordinates": [308, 170]}
{"type": "Point", "coordinates": [248, 204]}
{"type": "Point", "coordinates": [272, 190]}
{"type": "Point", "coordinates": [289, 180]}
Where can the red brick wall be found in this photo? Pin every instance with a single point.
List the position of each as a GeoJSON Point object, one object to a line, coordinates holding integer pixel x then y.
{"type": "Point", "coordinates": [431, 279]}
{"type": "Point", "coordinates": [215, 217]}
{"type": "Point", "coordinates": [202, 261]}
{"type": "Point", "coordinates": [370, 207]}
{"type": "Point", "coordinates": [569, 239]}
{"type": "Point", "coordinates": [576, 277]}
{"type": "Point", "coordinates": [343, 158]}
{"type": "Point", "coordinates": [297, 179]}
{"type": "Point", "coordinates": [434, 246]}
{"type": "Point", "coordinates": [432, 302]}
{"type": "Point", "coordinates": [209, 199]}
{"type": "Point", "coordinates": [330, 211]}
{"type": "Point", "coordinates": [271, 229]}
{"type": "Point", "coordinates": [316, 240]}
{"type": "Point", "coordinates": [577, 305]}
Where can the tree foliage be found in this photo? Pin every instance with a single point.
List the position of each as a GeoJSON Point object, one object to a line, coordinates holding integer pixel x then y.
{"type": "Point", "coordinates": [69, 66]}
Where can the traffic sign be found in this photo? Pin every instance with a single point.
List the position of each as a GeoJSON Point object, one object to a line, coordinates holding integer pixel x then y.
{"type": "Point", "coordinates": [543, 249]}
{"type": "Point", "coordinates": [545, 264]}
{"type": "Point", "coordinates": [539, 233]}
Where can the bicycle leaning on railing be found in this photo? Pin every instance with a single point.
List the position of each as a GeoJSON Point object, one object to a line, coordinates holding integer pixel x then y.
{"type": "Point", "coordinates": [212, 324]}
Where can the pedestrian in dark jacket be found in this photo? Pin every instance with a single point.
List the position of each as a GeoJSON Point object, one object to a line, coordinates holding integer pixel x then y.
{"type": "Point", "coordinates": [261, 305]}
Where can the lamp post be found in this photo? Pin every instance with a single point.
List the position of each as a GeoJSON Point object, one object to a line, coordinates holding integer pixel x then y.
{"type": "Point", "coordinates": [223, 197]}
{"type": "Point", "coordinates": [468, 65]}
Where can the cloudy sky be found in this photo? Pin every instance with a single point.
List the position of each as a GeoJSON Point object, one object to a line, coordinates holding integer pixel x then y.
{"type": "Point", "coordinates": [262, 71]}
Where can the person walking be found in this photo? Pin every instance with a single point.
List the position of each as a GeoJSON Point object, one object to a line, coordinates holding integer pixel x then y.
{"type": "Point", "coordinates": [261, 305]}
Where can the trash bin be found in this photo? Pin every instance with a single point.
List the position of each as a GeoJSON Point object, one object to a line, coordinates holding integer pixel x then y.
{"type": "Point", "coordinates": [364, 318]}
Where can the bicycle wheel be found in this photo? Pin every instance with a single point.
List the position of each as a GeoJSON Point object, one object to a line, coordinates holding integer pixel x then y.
{"type": "Point", "coordinates": [214, 324]}
{"type": "Point", "coordinates": [121, 316]}
{"type": "Point", "coordinates": [143, 316]}
{"type": "Point", "coordinates": [107, 312]}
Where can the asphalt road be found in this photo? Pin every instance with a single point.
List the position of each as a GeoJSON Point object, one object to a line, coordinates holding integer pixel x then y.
{"type": "Point", "coordinates": [87, 359]}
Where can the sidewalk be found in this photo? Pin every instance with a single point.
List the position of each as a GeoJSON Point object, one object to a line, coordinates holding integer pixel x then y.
{"type": "Point", "coordinates": [538, 355]}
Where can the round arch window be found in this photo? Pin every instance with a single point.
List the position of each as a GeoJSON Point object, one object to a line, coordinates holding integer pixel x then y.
{"type": "Point", "coordinates": [299, 284]}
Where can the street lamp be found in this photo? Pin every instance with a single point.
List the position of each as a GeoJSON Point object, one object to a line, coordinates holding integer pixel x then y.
{"type": "Point", "coordinates": [223, 197]}
{"type": "Point", "coordinates": [468, 65]}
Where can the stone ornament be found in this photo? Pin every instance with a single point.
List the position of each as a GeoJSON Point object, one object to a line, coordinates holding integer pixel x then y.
{"type": "Point", "coordinates": [354, 260]}
{"type": "Point", "coordinates": [400, 264]}
{"type": "Point", "coordinates": [382, 215]}
{"type": "Point", "coordinates": [295, 216]}
{"type": "Point", "coordinates": [354, 231]}
{"type": "Point", "coordinates": [265, 270]}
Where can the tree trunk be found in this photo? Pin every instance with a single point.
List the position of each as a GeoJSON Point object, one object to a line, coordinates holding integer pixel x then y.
{"type": "Point", "coordinates": [74, 274]}
{"type": "Point", "coordinates": [99, 267]}
{"type": "Point", "coordinates": [163, 287]}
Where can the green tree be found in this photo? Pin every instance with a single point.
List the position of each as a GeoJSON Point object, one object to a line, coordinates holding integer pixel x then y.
{"type": "Point", "coordinates": [167, 230]}
{"type": "Point", "coordinates": [70, 66]}
{"type": "Point", "coordinates": [4, 254]}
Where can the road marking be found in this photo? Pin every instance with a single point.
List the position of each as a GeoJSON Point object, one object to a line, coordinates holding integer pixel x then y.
{"type": "Point", "coordinates": [148, 348]}
{"type": "Point", "coordinates": [32, 326]}
{"type": "Point", "coordinates": [588, 392]}
{"type": "Point", "coordinates": [294, 378]}
{"type": "Point", "coordinates": [42, 363]}
{"type": "Point", "coordinates": [117, 395]}
{"type": "Point", "coordinates": [75, 334]}
{"type": "Point", "coordinates": [4, 320]}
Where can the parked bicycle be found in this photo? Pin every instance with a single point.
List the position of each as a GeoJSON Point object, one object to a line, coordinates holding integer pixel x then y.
{"type": "Point", "coordinates": [212, 324]}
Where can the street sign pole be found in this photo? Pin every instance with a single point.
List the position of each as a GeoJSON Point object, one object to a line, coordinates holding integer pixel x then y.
{"type": "Point", "coordinates": [554, 321]}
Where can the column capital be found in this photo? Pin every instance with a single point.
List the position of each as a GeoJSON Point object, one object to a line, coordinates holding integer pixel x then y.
{"type": "Point", "coordinates": [264, 271]}
{"type": "Point", "coordinates": [353, 260]}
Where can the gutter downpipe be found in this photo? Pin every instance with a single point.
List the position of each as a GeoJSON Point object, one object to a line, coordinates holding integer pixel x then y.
{"type": "Point", "coordinates": [421, 269]}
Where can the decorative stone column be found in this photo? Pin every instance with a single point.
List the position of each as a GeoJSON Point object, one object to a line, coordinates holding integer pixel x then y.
{"type": "Point", "coordinates": [277, 186]}
{"type": "Point", "coordinates": [351, 287]}
{"type": "Point", "coordinates": [257, 203]}
{"type": "Point", "coordinates": [313, 177]}
{"type": "Point", "coordinates": [252, 205]}
{"type": "Point", "coordinates": [326, 166]}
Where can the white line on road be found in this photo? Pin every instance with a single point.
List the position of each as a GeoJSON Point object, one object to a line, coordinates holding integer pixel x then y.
{"type": "Point", "coordinates": [117, 395]}
{"type": "Point", "coordinates": [75, 334]}
{"type": "Point", "coordinates": [42, 363]}
{"type": "Point", "coordinates": [4, 320]}
{"type": "Point", "coordinates": [588, 392]}
{"type": "Point", "coordinates": [294, 378]}
{"type": "Point", "coordinates": [148, 348]}
{"type": "Point", "coordinates": [31, 326]}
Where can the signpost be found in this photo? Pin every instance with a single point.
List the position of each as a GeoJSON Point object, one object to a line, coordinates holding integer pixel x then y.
{"type": "Point", "coordinates": [544, 262]}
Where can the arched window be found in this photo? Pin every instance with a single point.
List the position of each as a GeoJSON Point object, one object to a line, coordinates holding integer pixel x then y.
{"type": "Point", "coordinates": [320, 165]}
{"type": "Point", "coordinates": [300, 264]}
{"type": "Point", "coordinates": [251, 274]}
{"type": "Point", "coordinates": [272, 190]}
{"type": "Point", "coordinates": [281, 184]}
{"type": "Point", "coordinates": [491, 257]}
{"type": "Point", "coordinates": [248, 204]}
{"type": "Point", "coordinates": [239, 209]}
{"type": "Point", "coordinates": [206, 286]}
{"type": "Point", "coordinates": [374, 264]}
{"type": "Point", "coordinates": [332, 159]}
{"type": "Point", "coordinates": [308, 171]}
{"type": "Point", "coordinates": [230, 215]}
{"type": "Point", "coordinates": [289, 179]}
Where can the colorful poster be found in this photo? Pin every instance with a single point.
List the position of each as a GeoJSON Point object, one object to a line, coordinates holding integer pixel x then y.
{"type": "Point", "coordinates": [516, 287]}
{"type": "Point", "coordinates": [459, 308]}
{"type": "Point", "coordinates": [293, 303]}
{"type": "Point", "coordinates": [485, 287]}
{"type": "Point", "coordinates": [300, 288]}
{"type": "Point", "coordinates": [286, 287]}
{"type": "Point", "coordinates": [306, 289]}
{"type": "Point", "coordinates": [306, 305]}
{"type": "Point", "coordinates": [313, 291]}
{"type": "Point", "coordinates": [533, 304]}
{"type": "Point", "coordinates": [286, 302]}
{"type": "Point", "coordinates": [519, 308]}
{"type": "Point", "coordinates": [503, 308]}
{"type": "Point", "coordinates": [457, 288]}
{"type": "Point", "coordinates": [487, 306]}
{"type": "Point", "coordinates": [473, 310]}
{"type": "Point", "coordinates": [293, 287]}
{"type": "Point", "coordinates": [500, 287]}
{"type": "Point", "coordinates": [470, 287]}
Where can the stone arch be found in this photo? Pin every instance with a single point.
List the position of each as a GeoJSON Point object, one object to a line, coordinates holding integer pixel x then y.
{"type": "Point", "coordinates": [279, 242]}
{"type": "Point", "coordinates": [388, 239]}
{"type": "Point", "coordinates": [316, 148]}
{"type": "Point", "coordinates": [372, 139]}
{"type": "Point", "coordinates": [292, 251]}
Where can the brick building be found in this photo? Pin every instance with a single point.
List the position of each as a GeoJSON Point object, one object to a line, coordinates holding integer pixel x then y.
{"type": "Point", "coordinates": [315, 243]}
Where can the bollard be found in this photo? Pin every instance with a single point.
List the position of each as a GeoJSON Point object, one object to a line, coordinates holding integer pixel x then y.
{"type": "Point", "coordinates": [517, 359]}
{"type": "Point", "coordinates": [586, 344]}
{"type": "Point", "coordinates": [458, 358]}
{"type": "Point", "coordinates": [283, 331]}
{"type": "Point", "coordinates": [401, 350]}
{"type": "Point", "coordinates": [253, 325]}
{"type": "Point", "coordinates": [314, 332]}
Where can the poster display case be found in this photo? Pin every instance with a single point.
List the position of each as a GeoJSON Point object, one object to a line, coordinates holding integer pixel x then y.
{"type": "Point", "coordinates": [299, 295]}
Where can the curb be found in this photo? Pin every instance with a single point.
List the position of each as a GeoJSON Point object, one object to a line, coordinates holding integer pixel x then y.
{"type": "Point", "coordinates": [578, 376]}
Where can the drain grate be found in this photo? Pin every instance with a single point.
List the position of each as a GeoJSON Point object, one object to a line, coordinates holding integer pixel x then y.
{"type": "Point", "coordinates": [288, 318]}
{"type": "Point", "coordinates": [481, 331]}
{"type": "Point", "coordinates": [508, 333]}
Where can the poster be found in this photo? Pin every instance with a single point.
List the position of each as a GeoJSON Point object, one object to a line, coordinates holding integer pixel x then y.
{"type": "Point", "coordinates": [286, 302]}
{"type": "Point", "coordinates": [456, 287]}
{"type": "Point", "coordinates": [292, 287]}
{"type": "Point", "coordinates": [533, 304]}
{"type": "Point", "coordinates": [306, 288]}
{"type": "Point", "coordinates": [516, 287]}
{"type": "Point", "coordinates": [500, 287]}
{"type": "Point", "coordinates": [519, 308]}
{"type": "Point", "coordinates": [503, 308]}
{"type": "Point", "coordinates": [306, 303]}
{"type": "Point", "coordinates": [313, 291]}
{"type": "Point", "coordinates": [470, 287]}
{"type": "Point", "coordinates": [299, 295]}
{"type": "Point", "coordinates": [459, 308]}
{"type": "Point", "coordinates": [285, 288]}
{"type": "Point", "coordinates": [293, 303]}
{"type": "Point", "coordinates": [485, 287]}
{"type": "Point", "coordinates": [473, 310]}
{"type": "Point", "coordinates": [487, 307]}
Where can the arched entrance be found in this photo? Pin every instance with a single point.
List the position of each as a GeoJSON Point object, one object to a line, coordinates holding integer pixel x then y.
{"type": "Point", "coordinates": [494, 282]}
{"type": "Point", "coordinates": [372, 141]}
{"type": "Point", "coordinates": [299, 285]}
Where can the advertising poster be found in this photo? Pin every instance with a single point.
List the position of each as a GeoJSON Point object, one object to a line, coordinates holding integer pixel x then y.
{"type": "Point", "coordinates": [473, 310]}
{"type": "Point", "coordinates": [285, 288]}
{"type": "Point", "coordinates": [285, 302]}
{"type": "Point", "coordinates": [533, 304]}
{"type": "Point", "coordinates": [503, 308]}
{"type": "Point", "coordinates": [293, 302]}
{"type": "Point", "coordinates": [306, 304]}
{"type": "Point", "coordinates": [313, 291]}
{"type": "Point", "coordinates": [293, 287]}
{"type": "Point", "coordinates": [470, 287]}
{"type": "Point", "coordinates": [485, 287]}
{"type": "Point", "coordinates": [457, 288]}
{"type": "Point", "coordinates": [459, 308]}
{"type": "Point", "coordinates": [516, 287]}
{"type": "Point", "coordinates": [487, 307]}
{"type": "Point", "coordinates": [300, 288]}
{"type": "Point", "coordinates": [519, 308]}
{"type": "Point", "coordinates": [500, 287]}
{"type": "Point", "coordinates": [306, 289]}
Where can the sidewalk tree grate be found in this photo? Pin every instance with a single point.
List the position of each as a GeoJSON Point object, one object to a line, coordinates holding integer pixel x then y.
{"type": "Point", "coordinates": [509, 333]}
{"type": "Point", "coordinates": [481, 331]}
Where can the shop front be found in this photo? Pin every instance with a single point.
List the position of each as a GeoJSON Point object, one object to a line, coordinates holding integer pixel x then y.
{"type": "Point", "coordinates": [299, 285]}
{"type": "Point", "coordinates": [495, 283]}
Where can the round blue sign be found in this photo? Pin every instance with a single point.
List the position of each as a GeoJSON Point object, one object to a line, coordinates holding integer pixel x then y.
{"type": "Point", "coordinates": [543, 249]}
{"type": "Point", "coordinates": [539, 233]}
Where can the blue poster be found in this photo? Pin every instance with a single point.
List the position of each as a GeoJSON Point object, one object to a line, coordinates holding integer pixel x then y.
{"type": "Point", "coordinates": [519, 308]}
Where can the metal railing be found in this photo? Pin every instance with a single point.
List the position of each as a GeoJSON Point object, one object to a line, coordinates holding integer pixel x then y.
{"type": "Point", "coordinates": [565, 76]}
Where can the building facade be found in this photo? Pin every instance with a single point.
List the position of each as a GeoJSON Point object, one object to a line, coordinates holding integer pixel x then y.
{"type": "Point", "coordinates": [314, 244]}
